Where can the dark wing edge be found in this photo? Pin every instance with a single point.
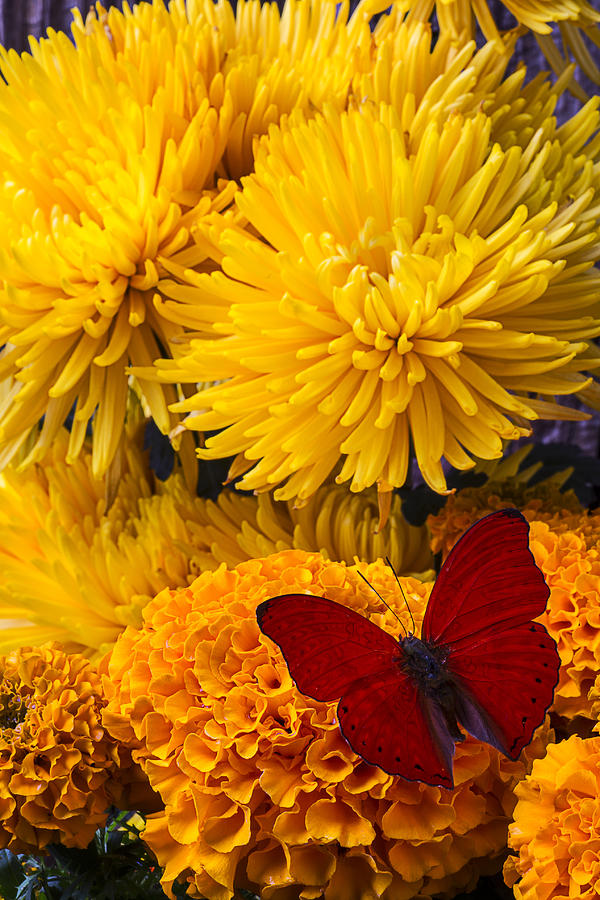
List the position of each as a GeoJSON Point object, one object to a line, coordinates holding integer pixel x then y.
{"type": "Point", "coordinates": [505, 687]}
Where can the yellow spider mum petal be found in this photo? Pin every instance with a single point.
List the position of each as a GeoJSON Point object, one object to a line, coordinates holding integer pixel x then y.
{"type": "Point", "coordinates": [260, 789]}
{"type": "Point", "coordinates": [574, 24]}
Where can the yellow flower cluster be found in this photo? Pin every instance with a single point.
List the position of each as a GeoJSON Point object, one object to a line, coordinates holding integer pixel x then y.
{"type": "Point", "coordinates": [76, 569]}
{"type": "Point", "coordinates": [459, 15]}
{"type": "Point", "coordinates": [114, 146]}
{"type": "Point", "coordinates": [260, 789]}
{"type": "Point", "coordinates": [565, 542]}
{"type": "Point", "coordinates": [556, 829]}
{"type": "Point", "coordinates": [60, 771]}
{"type": "Point", "coordinates": [574, 24]}
{"type": "Point", "coordinates": [340, 525]}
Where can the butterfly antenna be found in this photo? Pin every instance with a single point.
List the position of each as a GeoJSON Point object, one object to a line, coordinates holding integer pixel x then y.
{"type": "Point", "coordinates": [383, 601]}
{"type": "Point", "coordinates": [387, 559]}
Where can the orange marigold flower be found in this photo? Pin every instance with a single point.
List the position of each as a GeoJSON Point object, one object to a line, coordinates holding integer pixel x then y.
{"type": "Point", "coordinates": [544, 501]}
{"type": "Point", "coordinates": [565, 542]}
{"type": "Point", "coordinates": [60, 770]}
{"type": "Point", "coordinates": [259, 786]}
{"type": "Point", "coordinates": [556, 828]}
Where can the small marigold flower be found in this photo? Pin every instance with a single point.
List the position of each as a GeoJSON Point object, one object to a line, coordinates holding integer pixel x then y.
{"type": "Point", "coordinates": [60, 770]}
{"type": "Point", "coordinates": [339, 352]}
{"type": "Point", "coordinates": [556, 828]}
{"type": "Point", "coordinates": [113, 147]}
{"type": "Point", "coordinates": [565, 542]}
{"type": "Point", "coordinates": [259, 786]}
{"type": "Point", "coordinates": [543, 501]}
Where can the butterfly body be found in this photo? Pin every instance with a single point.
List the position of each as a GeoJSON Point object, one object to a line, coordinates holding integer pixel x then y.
{"type": "Point", "coordinates": [424, 663]}
{"type": "Point", "coordinates": [481, 663]}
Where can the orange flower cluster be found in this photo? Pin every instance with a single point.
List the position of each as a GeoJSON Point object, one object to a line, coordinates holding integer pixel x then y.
{"type": "Point", "coordinates": [59, 770]}
{"type": "Point", "coordinates": [556, 829]}
{"type": "Point", "coordinates": [565, 543]}
{"type": "Point", "coordinates": [260, 789]}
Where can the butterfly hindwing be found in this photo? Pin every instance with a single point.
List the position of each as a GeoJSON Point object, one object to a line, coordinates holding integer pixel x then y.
{"type": "Point", "coordinates": [489, 583]}
{"type": "Point", "coordinates": [326, 646]}
{"type": "Point", "coordinates": [511, 679]}
{"type": "Point", "coordinates": [385, 721]}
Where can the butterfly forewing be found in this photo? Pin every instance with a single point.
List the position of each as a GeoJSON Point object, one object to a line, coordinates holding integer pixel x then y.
{"type": "Point", "coordinates": [489, 583]}
{"type": "Point", "coordinates": [326, 646]}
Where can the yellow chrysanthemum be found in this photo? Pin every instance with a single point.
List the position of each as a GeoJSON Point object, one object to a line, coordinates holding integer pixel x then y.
{"type": "Point", "coordinates": [73, 570]}
{"type": "Point", "coordinates": [396, 291]}
{"type": "Point", "coordinates": [556, 828]}
{"type": "Point", "coordinates": [60, 770]}
{"type": "Point", "coordinates": [565, 542]}
{"type": "Point", "coordinates": [338, 524]}
{"type": "Point", "coordinates": [112, 148]}
{"type": "Point", "coordinates": [260, 789]}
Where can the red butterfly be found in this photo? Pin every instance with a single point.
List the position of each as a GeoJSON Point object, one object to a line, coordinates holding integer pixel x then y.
{"type": "Point", "coordinates": [480, 661]}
